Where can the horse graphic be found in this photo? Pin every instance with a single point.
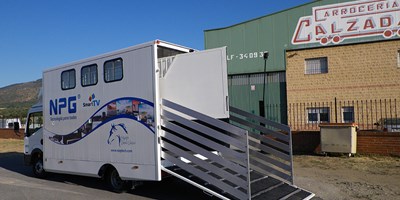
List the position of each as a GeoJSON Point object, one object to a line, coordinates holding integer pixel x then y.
{"type": "Point", "coordinates": [116, 132]}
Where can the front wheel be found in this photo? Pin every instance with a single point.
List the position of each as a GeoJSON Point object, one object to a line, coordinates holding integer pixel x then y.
{"type": "Point", "coordinates": [38, 169]}
{"type": "Point", "coordinates": [115, 183]}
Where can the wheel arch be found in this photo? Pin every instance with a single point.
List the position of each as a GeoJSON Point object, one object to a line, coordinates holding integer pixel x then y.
{"type": "Point", "coordinates": [104, 169]}
{"type": "Point", "coordinates": [36, 153]}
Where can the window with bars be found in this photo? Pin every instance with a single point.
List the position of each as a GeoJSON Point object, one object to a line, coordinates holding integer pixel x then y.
{"type": "Point", "coordinates": [318, 115]}
{"type": "Point", "coordinates": [68, 79]}
{"type": "Point", "coordinates": [316, 65]}
{"type": "Point", "coordinates": [89, 75]}
{"type": "Point", "coordinates": [348, 114]}
{"type": "Point", "coordinates": [113, 70]}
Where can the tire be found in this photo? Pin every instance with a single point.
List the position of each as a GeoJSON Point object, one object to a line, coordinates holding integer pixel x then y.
{"type": "Point", "coordinates": [115, 183]}
{"type": "Point", "coordinates": [37, 168]}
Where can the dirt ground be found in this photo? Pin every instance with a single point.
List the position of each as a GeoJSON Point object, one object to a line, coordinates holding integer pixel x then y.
{"type": "Point", "coordinates": [334, 177]}
{"type": "Point", "coordinates": [11, 145]}
{"type": "Point", "coordinates": [340, 177]}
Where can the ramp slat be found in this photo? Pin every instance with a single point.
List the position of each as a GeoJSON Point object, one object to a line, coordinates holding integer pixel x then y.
{"type": "Point", "coordinates": [260, 119]}
{"type": "Point", "coordinates": [195, 184]}
{"type": "Point", "coordinates": [204, 176]}
{"type": "Point", "coordinates": [212, 168]}
{"type": "Point", "coordinates": [264, 130]}
{"type": "Point", "coordinates": [209, 120]}
{"type": "Point", "coordinates": [218, 147]}
{"type": "Point", "coordinates": [206, 130]}
{"type": "Point", "coordinates": [270, 160]}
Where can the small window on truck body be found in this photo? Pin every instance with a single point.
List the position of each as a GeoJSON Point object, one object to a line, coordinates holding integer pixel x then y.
{"type": "Point", "coordinates": [68, 79]}
{"type": "Point", "coordinates": [113, 70]}
{"type": "Point", "coordinates": [89, 75]}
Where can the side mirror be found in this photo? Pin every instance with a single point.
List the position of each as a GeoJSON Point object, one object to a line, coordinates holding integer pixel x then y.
{"type": "Point", "coordinates": [16, 126]}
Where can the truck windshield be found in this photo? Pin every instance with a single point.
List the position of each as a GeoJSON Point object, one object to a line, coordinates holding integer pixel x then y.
{"type": "Point", "coordinates": [35, 122]}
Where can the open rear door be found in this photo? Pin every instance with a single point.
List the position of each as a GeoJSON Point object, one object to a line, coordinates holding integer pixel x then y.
{"type": "Point", "coordinates": [197, 80]}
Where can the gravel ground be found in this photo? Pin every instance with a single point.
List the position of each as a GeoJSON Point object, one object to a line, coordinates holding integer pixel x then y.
{"type": "Point", "coordinates": [339, 177]}
{"type": "Point", "coordinates": [335, 177]}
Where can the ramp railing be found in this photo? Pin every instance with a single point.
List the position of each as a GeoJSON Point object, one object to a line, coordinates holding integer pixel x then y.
{"type": "Point", "coordinates": [213, 152]}
{"type": "Point", "coordinates": [270, 145]}
{"type": "Point", "coordinates": [164, 64]}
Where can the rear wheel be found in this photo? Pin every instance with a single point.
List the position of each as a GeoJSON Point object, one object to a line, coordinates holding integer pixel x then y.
{"type": "Point", "coordinates": [37, 168]}
{"type": "Point", "coordinates": [115, 183]}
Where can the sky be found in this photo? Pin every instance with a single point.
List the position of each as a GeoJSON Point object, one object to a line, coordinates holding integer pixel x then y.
{"type": "Point", "coordinates": [41, 34]}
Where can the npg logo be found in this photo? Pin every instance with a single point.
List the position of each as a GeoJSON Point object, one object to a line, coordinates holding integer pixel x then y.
{"type": "Point", "coordinates": [58, 105]}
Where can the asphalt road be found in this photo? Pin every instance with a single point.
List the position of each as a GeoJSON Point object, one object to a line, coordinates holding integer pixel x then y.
{"type": "Point", "coordinates": [17, 182]}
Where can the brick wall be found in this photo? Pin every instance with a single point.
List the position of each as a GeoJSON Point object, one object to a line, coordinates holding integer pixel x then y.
{"type": "Point", "coordinates": [305, 141]}
{"type": "Point", "coordinates": [378, 143]}
{"type": "Point", "coordinates": [368, 142]}
{"type": "Point", "coordinates": [366, 71]}
{"type": "Point", "coordinates": [9, 133]}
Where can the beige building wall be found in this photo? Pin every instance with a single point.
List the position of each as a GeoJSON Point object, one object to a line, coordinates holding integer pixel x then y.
{"type": "Point", "coordinates": [368, 73]}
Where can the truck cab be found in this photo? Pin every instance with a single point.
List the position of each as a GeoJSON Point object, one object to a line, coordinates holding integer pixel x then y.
{"type": "Point", "coordinates": [33, 140]}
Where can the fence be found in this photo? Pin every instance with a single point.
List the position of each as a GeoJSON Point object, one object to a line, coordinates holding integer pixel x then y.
{"type": "Point", "coordinates": [377, 114]}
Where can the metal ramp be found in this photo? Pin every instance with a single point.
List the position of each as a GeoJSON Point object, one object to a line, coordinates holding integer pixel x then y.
{"type": "Point", "coordinates": [251, 162]}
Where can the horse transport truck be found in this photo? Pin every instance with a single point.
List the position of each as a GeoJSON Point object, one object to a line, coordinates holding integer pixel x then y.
{"type": "Point", "coordinates": [157, 108]}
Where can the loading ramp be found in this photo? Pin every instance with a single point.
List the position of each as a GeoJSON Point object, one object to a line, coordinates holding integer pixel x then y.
{"type": "Point", "coordinates": [248, 159]}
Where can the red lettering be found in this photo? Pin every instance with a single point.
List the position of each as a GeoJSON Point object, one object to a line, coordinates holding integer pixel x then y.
{"type": "Point", "coordinates": [326, 14]}
{"type": "Point", "coordinates": [334, 28]}
{"type": "Point", "coordinates": [353, 10]}
{"type": "Point", "coordinates": [379, 6]}
{"type": "Point", "coordinates": [395, 4]}
{"type": "Point", "coordinates": [352, 26]}
{"type": "Point", "coordinates": [303, 23]}
{"type": "Point", "coordinates": [319, 30]}
{"type": "Point", "coordinates": [343, 11]}
{"type": "Point", "coordinates": [361, 9]}
{"type": "Point", "coordinates": [369, 24]}
{"type": "Point", "coordinates": [386, 22]}
{"type": "Point", "coordinates": [371, 7]}
{"type": "Point", "coordinates": [335, 12]}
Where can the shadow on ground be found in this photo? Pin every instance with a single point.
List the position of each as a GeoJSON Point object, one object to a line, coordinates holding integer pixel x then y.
{"type": "Point", "coordinates": [169, 188]}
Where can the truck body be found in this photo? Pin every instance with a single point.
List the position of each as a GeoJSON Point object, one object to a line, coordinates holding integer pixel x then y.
{"type": "Point", "coordinates": [103, 112]}
{"type": "Point", "coordinates": [129, 115]}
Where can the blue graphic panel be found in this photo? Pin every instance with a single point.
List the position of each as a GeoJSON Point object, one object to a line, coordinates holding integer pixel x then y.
{"type": "Point", "coordinates": [136, 109]}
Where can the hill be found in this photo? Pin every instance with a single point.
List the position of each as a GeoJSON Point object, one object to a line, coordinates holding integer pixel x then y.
{"type": "Point", "coordinates": [16, 99]}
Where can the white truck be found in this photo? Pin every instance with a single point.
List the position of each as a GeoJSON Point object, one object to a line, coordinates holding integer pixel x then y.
{"type": "Point", "coordinates": [129, 115]}
{"type": "Point", "coordinates": [101, 116]}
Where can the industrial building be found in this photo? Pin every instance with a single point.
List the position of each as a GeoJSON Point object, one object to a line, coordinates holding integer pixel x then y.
{"type": "Point", "coordinates": [328, 61]}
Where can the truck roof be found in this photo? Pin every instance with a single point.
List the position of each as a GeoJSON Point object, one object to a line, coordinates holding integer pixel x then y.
{"type": "Point", "coordinates": [150, 43]}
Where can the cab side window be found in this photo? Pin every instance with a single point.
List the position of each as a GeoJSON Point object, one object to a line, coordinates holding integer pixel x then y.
{"type": "Point", "coordinates": [35, 122]}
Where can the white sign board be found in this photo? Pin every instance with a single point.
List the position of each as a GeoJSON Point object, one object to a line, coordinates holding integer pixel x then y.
{"type": "Point", "coordinates": [337, 22]}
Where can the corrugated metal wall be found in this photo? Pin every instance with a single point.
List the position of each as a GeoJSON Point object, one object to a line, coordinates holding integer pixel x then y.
{"type": "Point", "coordinates": [245, 91]}
{"type": "Point", "coordinates": [246, 42]}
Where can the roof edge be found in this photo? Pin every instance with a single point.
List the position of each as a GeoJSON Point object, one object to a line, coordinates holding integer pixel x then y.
{"type": "Point", "coordinates": [216, 29]}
